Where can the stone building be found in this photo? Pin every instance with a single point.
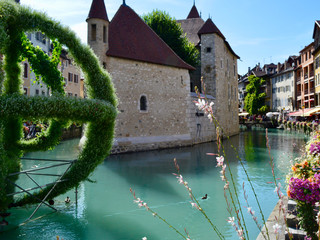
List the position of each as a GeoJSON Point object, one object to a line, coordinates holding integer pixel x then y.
{"type": "Point", "coordinates": [218, 68]}
{"type": "Point", "coordinates": [156, 108]}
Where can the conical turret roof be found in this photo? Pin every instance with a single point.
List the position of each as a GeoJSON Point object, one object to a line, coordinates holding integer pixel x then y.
{"type": "Point", "coordinates": [210, 27]}
{"type": "Point", "coordinates": [98, 10]}
{"type": "Point", "coordinates": [193, 13]}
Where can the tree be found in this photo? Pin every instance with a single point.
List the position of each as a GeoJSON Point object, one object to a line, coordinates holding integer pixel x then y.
{"type": "Point", "coordinates": [172, 34]}
{"type": "Point", "coordinates": [254, 101]}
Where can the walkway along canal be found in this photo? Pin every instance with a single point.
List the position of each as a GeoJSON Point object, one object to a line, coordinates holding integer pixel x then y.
{"type": "Point", "coordinates": [105, 209]}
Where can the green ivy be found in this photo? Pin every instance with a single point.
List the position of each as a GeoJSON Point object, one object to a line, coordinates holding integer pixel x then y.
{"type": "Point", "coordinates": [98, 111]}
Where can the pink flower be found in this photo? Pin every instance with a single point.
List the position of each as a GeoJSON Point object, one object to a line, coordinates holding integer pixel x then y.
{"type": "Point", "coordinates": [193, 204]}
{"type": "Point", "coordinates": [277, 228]}
{"type": "Point", "coordinates": [220, 161]}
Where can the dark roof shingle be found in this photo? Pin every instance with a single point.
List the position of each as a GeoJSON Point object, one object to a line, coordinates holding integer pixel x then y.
{"type": "Point", "coordinates": [131, 38]}
{"type": "Point", "coordinates": [98, 10]}
{"type": "Point", "coordinates": [193, 13]}
{"type": "Point", "coordinates": [210, 27]}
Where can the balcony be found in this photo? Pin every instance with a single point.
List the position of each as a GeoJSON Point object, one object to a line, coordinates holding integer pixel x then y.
{"type": "Point", "coordinates": [298, 93]}
{"type": "Point", "coordinates": [306, 92]}
{"type": "Point", "coordinates": [306, 76]}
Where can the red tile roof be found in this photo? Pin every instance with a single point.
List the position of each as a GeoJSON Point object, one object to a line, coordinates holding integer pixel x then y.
{"type": "Point", "coordinates": [210, 27]}
{"type": "Point", "coordinates": [131, 38]}
{"type": "Point", "coordinates": [193, 13]}
{"type": "Point", "coordinates": [98, 10]}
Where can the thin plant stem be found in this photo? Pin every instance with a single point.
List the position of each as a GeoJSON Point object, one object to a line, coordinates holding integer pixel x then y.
{"type": "Point", "coordinates": [200, 208]}
{"type": "Point", "coordinates": [276, 185]}
{"type": "Point", "coordinates": [141, 203]}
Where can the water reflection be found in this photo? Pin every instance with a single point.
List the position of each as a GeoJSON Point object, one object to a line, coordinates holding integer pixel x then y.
{"type": "Point", "coordinates": [105, 209]}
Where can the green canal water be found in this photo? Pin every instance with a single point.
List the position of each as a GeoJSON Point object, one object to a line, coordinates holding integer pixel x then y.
{"type": "Point", "coordinates": [105, 209]}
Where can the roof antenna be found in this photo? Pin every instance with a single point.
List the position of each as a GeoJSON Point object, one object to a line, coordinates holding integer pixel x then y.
{"type": "Point", "coordinates": [124, 3]}
{"type": "Point", "coordinates": [194, 2]}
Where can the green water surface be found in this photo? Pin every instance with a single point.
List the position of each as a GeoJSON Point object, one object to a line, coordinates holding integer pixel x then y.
{"type": "Point", "coordinates": [105, 209]}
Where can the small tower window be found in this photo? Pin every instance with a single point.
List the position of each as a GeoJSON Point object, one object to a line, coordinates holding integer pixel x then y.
{"type": "Point", "coordinates": [208, 49]}
{"type": "Point", "coordinates": [143, 103]}
{"type": "Point", "coordinates": [104, 34]}
{"type": "Point", "coordinates": [93, 32]}
{"type": "Point", "coordinates": [25, 70]}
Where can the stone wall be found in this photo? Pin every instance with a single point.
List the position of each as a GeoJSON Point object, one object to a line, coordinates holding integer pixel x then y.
{"type": "Point", "coordinates": [98, 41]}
{"type": "Point", "coordinates": [164, 123]}
{"type": "Point", "coordinates": [201, 129]}
{"type": "Point", "coordinates": [219, 71]}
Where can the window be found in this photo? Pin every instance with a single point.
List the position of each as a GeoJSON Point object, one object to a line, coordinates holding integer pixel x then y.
{"type": "Point", "coordinates": [104, 34]}
{"type": "Point", "coordinates": [143, 103]}
{"type": "Point", "coordinates": [25, 91]}
{"type": "Point", "coordinates": [37, 91]}
{"type": "Point", "coordinates": [208, 49]}
{"type": "Point", "coordinates": [41, 37]}
{"type": "Point", "coordinates": [70, 77]}
{"type": "Point", "coordinates": [76, 78]}
{"type": "Point", "coordinates": [93, 32]}
{"type": "Point", "coordinates": [43, 93]}
{"type": "Point", "coordinates": [25, 70]}
{"type": "Point", "coordinates": [221, 62]}
{"type": "Point", "coordinates": [69, 94]}
{"type": "Point", "coordinates": [76, 95]}
{"type": "Point", "coordinates": [104, 65]}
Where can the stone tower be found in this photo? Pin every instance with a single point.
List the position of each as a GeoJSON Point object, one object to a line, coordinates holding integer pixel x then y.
{"type": "Point", "coordinates": [219, 72]}
{"type": "Point", "coordinates": [98, 28]}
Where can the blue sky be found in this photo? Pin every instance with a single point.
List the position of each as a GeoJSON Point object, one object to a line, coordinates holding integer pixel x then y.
{"type": "Point", "coordinates": [258, 31]}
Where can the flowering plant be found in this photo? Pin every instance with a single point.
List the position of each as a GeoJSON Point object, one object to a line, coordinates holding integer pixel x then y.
{"type": "Point", "coordinates": [306, 190]}
{"type": "Point", "coordinates": [304, 185]}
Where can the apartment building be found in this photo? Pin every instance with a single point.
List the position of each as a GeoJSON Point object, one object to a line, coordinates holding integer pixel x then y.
{"type": "Point", "coordinates": [305, 78]}
{"type": "Point", "coordinates": [316, 56]}
{"type": "Point", "coordinates": [70, 72]}
{"type": "Point", "coordinates": [283, 86]}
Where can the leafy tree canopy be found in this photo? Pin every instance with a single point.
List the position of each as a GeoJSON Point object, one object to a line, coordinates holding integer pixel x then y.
{"type": "Point", "coordinates": [172, 34]}
{"type": "Point", "coordinates": [255, 99]}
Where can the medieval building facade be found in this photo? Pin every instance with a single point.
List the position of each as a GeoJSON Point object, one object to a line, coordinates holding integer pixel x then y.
{"type": "Point", "coordinates": [156, 106]}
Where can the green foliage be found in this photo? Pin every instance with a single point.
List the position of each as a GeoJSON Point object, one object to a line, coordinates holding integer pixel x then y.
{"type": "Point", "coordinates": [307, 218]}
{"type": "Point", "coordinates": [254, 101]}
{"type": "Point", "coordinates": [99, 111]}
{"type": "Point", "coordinates": [172, 34]}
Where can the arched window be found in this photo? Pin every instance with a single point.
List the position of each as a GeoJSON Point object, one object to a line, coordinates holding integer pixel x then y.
{"type": "Point", "coordinates": [143, 103]}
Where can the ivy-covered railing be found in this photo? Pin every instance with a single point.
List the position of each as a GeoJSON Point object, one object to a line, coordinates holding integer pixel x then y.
{"type": "Point", "coordinates": [98, 111]}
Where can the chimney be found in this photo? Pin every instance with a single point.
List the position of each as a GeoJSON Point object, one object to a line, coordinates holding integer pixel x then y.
{"type": "Point", "coordinates": [249, 69]}
{"type": "Point", "coordinates": [278, 67]}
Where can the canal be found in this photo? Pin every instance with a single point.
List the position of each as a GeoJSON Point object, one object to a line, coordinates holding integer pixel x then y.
{"type": "Point", "coordinates": [105, 208]}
